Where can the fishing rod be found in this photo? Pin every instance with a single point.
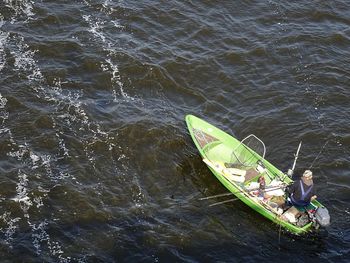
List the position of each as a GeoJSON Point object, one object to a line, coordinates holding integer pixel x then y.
{"type": "Point", "coordinates": [224, 202]}
{"type": "Point", "coordinates": [215, 196]}
{"type": "Point", "coordinates": [291, 171]}
{"type": "Point", "coordinates": [234, 199]}
{"type": "Point", "coordinates": [267, 189]}
{"type": "Point", "coordinates": [324, 145]}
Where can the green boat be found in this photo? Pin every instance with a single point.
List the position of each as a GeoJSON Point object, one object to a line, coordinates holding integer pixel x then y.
{"type": "Point", "coordinates": [240, 166]}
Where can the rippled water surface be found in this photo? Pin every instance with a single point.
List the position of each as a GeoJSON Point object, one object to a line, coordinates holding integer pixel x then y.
{"type": "Point", "coordinates": [96, 162]}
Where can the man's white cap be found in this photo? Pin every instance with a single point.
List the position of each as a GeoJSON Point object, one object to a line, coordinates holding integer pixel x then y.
{"type": "Point", "coordinates": [307, 174]}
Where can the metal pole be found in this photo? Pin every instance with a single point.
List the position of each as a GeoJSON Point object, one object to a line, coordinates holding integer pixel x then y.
{"type": "Point", "coordinates": [291, 171]}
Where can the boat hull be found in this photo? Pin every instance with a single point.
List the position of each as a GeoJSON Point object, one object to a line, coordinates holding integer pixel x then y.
{"type": "Point", "coordinates": [214, 144]}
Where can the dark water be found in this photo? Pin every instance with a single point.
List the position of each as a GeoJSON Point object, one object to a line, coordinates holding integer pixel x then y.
{"type": "Point", "coordinates": [96, 161]}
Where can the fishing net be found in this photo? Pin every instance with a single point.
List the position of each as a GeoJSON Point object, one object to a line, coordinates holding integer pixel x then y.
{"type": "Point", "coordinates": [248, 152]}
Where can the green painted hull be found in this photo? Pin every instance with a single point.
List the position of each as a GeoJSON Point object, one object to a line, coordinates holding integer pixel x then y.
{"type": "Point", "coordinates": [215, 144]}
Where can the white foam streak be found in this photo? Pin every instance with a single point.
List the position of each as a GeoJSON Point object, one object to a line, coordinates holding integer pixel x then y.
{"type": "Point", "coordinates": [3, 102]}
{"type": "Point", "coordinates": [35, 159]}
{"type": "Point", "coordinates": [96, 28]}
{"type": "Point", "coordinates": [20, 153]}
{"type": "Point", "coordinates": [24, 63]}
{"type": "Point", "coordinates": [3, 113]}
{"type": "Point", "coordinates": [11, 227]}
{"type": "Point", "coordinates": [117, 80]}
{"type": "Point", "coordinates": [38, 201]}
{"type": "Point", "coordinates": [3, 39]}
{"type": "Point", "coordinates": [40, 237]}
{"type": "Point", "coordinates": [22, 197]}
{"type": "Point", "coordinates": [70, 99]}
{"type": "Point", "coordinates": [21, 7]}
{"type": "Point", "coordinates": [24, 60]}
{"type": "Point", "coordinates": [87, 3]}
{"type": "Point", "coordinates": [117, 25]}
{"type": "Point", "coordinates": [22, 193]}
{"type": "Point", "coordinates": [62, 144]}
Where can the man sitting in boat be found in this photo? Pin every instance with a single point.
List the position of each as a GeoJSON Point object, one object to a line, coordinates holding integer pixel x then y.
{"type": "Point", "coordinates": [302, 191]}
